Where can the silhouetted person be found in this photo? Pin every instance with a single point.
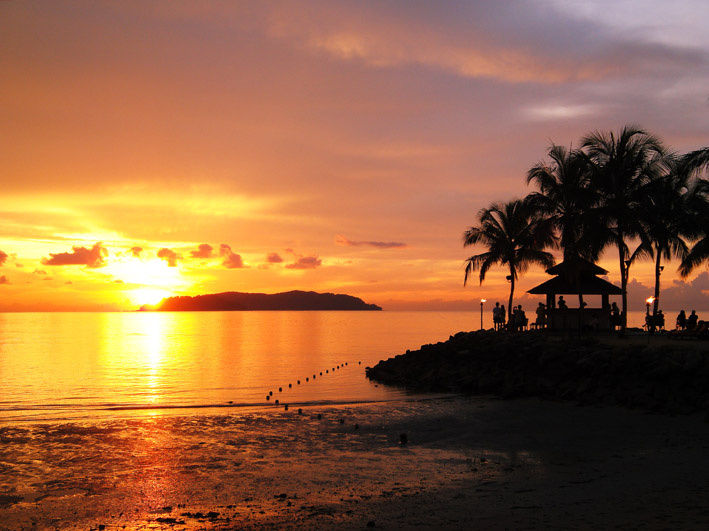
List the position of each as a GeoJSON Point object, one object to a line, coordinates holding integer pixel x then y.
{"type": "Point", "coordinates": [503, 316]}
{"type": "Point", "coordinates": [615, 316]}
{"type": "Point", "coordinates": [523, 321]}
{"type": "Point", "coordinates": [692, 320]}
{"type": "Point", "coordinates": [660, 320]}
{"type": "Point", "coordinates": [562, 303]}
{"type": "Point", "coordinates": [496, 319]}
{"type": "Point", "coordinates": [541, 315]}
{"type": "Point", "coordinates": [682, 320]}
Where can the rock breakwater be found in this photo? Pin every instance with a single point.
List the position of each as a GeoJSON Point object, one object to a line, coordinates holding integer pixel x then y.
{"type": "Point", "coordinates": [673, 379]}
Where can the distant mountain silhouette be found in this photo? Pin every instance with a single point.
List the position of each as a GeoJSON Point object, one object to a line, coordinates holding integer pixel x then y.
{"type": "Point", "coordinates": [290, 300]}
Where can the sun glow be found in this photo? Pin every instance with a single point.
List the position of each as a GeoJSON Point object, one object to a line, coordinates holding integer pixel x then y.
{"type": "Point", "coordinates": [156, 280]}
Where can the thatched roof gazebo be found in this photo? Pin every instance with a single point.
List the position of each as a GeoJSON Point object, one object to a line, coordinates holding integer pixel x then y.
{"type": "Point", "coordinates": [573, 277]}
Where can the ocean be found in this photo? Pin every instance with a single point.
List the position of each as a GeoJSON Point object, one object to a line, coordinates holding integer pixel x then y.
{"type": "Point", "coordinates": [88, 365]}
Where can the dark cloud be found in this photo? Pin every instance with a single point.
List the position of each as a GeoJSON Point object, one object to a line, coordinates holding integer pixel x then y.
{"type": "Point", "coordinates": [136, 251]}
{"type": "Point", "coordinates": [39, 272]}
{"type": "Point", "coordinates": [305, 262]}
{"type": "Point", "coordinates": [4, 280]}
{"type": "Point", "coordinates": [170, 256]}
{"type": "Point", "coordinates": [3, 257]}
{"type": "Point", "coordinates": [93, 257]}
{"type": "Point", "coordinates": [274, 258]}
{"type": "Point", "coordinates": [203, 251]}
{"type": "Point", "coordinates": [342, 240]}
{"type": "Point", "coordinates": [231, 259]}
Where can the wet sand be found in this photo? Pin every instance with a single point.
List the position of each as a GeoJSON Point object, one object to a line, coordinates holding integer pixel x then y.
{"type": "Point", "coordinates": [469, 463]}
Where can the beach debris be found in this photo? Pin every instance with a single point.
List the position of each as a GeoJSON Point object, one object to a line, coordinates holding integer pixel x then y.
{"type": "Point", "coordinates": [403, 439]}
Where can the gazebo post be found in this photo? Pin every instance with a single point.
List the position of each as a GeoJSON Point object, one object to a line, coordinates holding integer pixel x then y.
{"type": "Point", "coordinates": [604, 301]}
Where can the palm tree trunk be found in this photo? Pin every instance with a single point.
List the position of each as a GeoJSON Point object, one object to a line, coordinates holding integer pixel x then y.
{"type": "Point", "coordinates": [512, 293]}
{"type": "Point", "coordinates": [656, 303]}
{"type": "Point", "coordinates": [623, 285]}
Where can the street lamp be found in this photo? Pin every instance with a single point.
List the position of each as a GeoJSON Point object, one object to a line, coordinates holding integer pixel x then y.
{"type": "Point", "coordinates": [481, 312]}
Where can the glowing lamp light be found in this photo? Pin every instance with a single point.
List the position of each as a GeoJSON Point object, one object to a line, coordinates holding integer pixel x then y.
{"type": "Point", "coordinates": [649, 300]}
{"type": "Point", "coordinates": [483, 300]}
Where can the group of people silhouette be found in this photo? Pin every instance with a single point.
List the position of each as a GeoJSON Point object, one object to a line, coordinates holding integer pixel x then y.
{"type": "Point", "coordinates": [518, 319]}
{"type": "Point", "coordinates": [687, 323]}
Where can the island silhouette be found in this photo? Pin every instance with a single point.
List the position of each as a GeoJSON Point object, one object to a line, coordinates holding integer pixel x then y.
{"type": "Point", "coordinates": [235, 301]}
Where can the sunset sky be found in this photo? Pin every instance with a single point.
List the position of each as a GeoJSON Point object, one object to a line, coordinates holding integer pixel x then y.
{"type": "Point", "coordinates": [150, 149]}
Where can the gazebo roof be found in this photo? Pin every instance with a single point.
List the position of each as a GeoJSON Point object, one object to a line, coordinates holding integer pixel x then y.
{"type": "Point", "coordinates": [588, 285]}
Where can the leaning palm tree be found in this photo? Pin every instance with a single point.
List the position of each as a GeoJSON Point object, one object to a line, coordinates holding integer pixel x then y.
{"type": "Point", "coordinates": [514, 236]}
{"type": "Point", "coordinates": [622, 164]}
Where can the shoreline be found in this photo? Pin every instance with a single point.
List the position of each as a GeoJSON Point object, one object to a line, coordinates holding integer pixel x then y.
{"type": "Point", "coordinates": [480, 463]}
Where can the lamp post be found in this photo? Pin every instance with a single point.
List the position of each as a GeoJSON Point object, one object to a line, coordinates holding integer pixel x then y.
{"type": "Point", "coordinates": [481, 312]}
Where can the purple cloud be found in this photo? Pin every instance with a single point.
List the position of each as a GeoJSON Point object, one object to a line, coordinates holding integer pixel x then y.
{"type": "Point", "coordinates": [231, 259]}
{"type": "Point", "coordinates": [203, 251]}
{"type": "Point", "coordinates": [305, 262]}
{"type": "Point", "coordinates": [170, 256]}
{"type": "Point", "coordinates": [342, 240]}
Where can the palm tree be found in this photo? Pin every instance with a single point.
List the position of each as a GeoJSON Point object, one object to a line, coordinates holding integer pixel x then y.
{"type": "Point", "coordinates": [664, 214]}
{"type": "Point", "coordinates": [514, 236]}
{"type": "Point", "coordinates": [693, 163]}
{"type": "Point", "coordinates": [622, 165]}
{"type": "Point", "coordinates": [565, 198]}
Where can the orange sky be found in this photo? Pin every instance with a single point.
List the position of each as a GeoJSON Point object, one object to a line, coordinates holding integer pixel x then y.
{"type": "Point", "coordinates": [350, 142]}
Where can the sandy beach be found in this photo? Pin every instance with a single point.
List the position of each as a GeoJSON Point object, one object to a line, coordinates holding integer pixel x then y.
{"type": "Point", "coordinates": [469, 463]}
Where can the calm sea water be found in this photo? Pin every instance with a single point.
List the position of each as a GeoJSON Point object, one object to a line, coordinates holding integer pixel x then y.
{"type": "Point", "coordinates": [84, 365]}
{"type": "Point", "coordinates": [79, 365]}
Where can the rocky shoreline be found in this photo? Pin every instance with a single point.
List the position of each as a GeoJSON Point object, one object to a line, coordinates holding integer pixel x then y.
{"type": "Point", "coordinates": [665, 378]}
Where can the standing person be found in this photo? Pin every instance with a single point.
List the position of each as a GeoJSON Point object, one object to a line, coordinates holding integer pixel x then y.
{"type": "Point", "coordinates": [692, 320]}
{"type": "Point", "coordinates": [541, 315]}
{"type": "Point", "coordinates": [615, 316]}
{"type": "Point", "coordinates": [681, 320]}
{"type": "Point", "coordinates": [562, 303]}
{"type": "Point", "coordinates": [522, 320]}
{"type": "Point", "coordinates": [496, 316]}
{"type": "Point", "coordinates": [503, 316]}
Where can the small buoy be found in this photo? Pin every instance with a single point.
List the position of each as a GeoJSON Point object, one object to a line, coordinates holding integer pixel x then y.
{"type": "Point", "coordinates": [268, 397]}
{"type": "Point", "coordinates": [319, 416]}
{"type": "Point", "coordinates": [346, 363]}
{"type": "Point", "coordinates": [300, 411]}
{"type": "Point", "coordinates": [307, 379]}
{"type": "Point", "coordinates": [298, 382]}
{"type": "Point", "coordinates": [277, 401]}
{"type": "Point", "coordinates": [280, 389]}
{"type": "Point", "coordinates": [270, 393]}
{"type": "Point", "coordinates": [326, 371]}
{"type": "Point", "coordinates": [290, 386]}
{"type": "Point", "coordinates": [286, 407]}
{"type": "Point", "coordinates": [320, 373]}
{"type": "Point", "coordinates": [360, 363]}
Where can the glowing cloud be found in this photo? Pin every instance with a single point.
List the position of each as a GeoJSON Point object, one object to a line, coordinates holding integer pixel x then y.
{"type": "Point", "coordinates": [203, 251]}
{"type": "Point", "coordinates": [274, 258]}
{"type": "Point", "coordinates": [170, 256]}
{"type": "Point", "coordinates": [341, 240]}
{"type": "Point", "coordinates": [93, 257]}
{"type": "Point", "coordinates": [3, 257]}
{"type": "Point", "coordinates": [136, 251]}
{"type": "Point", "coordinates": [231, 259]}
{"type": "Point", "coordinates": [305, 262]}
{"type": "Point", "coordinates": [4, 280]}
